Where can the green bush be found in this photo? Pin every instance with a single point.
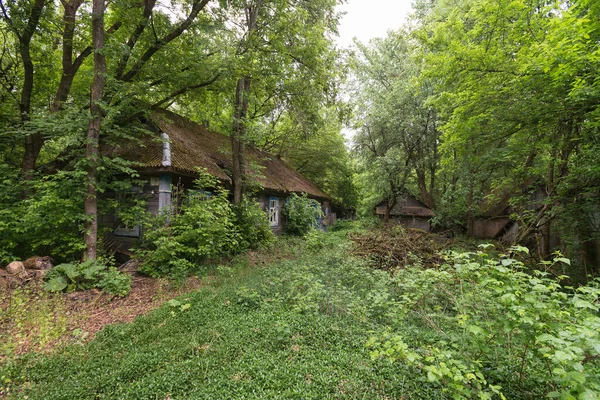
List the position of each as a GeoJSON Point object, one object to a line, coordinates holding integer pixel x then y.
{"type": "Point", "coordinates": [253, 225]}
{"type": "Point", "coordinates": [203, 229]}
{"type": "Point", "coordinates": [301, 214]}
{"type": "Point", "coordinates": [496, 329]}
{"type": "Point", "coordinates": [48, 222]}
{"type": "Point", "coordinates": [86, 275]}
{"type": "Point", "coordinates": [206, 227]}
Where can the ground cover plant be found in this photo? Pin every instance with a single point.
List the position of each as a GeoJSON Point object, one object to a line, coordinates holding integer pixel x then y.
{"type": "Point", "coordinates": [320, 323]}
{"type": "Point", "coordinates": [34, 320]}
{"type": "Point", "coordinates": [87, 275]}
{"type": "Point", "coordinates": [496, 329]}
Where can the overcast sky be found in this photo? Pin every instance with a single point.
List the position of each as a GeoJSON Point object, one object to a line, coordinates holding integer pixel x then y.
{"type": "Point", "coordinates": [366, 19]}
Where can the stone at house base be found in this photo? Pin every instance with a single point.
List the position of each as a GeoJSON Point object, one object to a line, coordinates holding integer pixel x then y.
{"type": "Point", "coordinates": [18, 273]}
{"type": "Point", "coordinates": [16, 268]}
{"type": "Point", "coordinates": [40, 263]}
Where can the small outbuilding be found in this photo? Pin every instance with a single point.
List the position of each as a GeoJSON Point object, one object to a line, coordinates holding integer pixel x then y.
{"type": "Point", "coordinates": [408, 211]}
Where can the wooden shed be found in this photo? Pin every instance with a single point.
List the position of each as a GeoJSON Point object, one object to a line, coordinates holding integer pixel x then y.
{"type": "Point", "coordinates": [408, 211]}
{"type": "Point", "coordinates": [171, 155]}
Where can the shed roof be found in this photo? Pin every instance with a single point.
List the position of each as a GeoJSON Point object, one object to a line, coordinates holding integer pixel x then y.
{"type": "Point", "coordinates": [409, 206]}
{"type": "Point", "coordinates": [192, 146]}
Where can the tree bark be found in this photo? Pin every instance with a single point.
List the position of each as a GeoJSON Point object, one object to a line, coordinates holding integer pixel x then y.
{"type": "Point", "coordinates": [470, 209]}
{"type": "Point", "coordinates": [33, 142]}
{"type": "Point", "coordinates": [389, 206]}
{"type": "Point", "coordinates": [69, 67]}
{"type": "Point", "coordinates": [93, 134]}
{"type": "Point", "coordinates": [242, 92]}
{"type": "Point", "coordinates": [422, 182]}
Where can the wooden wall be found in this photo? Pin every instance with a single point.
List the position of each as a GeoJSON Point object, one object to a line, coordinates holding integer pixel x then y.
{"type": "Point", "coordinates": [415, 222]}
{"type": "Point", "coordinates": [489, 228]}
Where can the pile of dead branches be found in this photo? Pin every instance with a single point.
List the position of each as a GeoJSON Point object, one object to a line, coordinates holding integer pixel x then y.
{"type": "Point", "coordinates": [396, 247]}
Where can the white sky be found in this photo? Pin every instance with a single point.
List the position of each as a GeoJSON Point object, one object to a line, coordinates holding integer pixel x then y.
{"type": "Point", "coordinates": [366, 19]}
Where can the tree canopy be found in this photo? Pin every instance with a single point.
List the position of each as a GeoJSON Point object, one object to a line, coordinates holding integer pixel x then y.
{"type": "Point", "coordinates": [512, 92]}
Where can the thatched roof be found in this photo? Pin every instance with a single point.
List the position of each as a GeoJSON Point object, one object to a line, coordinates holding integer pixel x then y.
{"type": "Point", "coordinates": [193, 146]}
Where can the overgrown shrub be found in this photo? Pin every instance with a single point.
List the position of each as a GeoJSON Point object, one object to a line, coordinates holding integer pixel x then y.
{"type": "Point", "coordinates": [496, 329]}
{"type": "Point", "coordinates": [207, 226]}
{"type": "Point", "coordinates": [301, 214]}
{"type": "Point", "coordinates": [253, 225]}
{"type": "Point", "coordinates": [86, 275]}
{"type": "Point", "coordinates": [203, 228]}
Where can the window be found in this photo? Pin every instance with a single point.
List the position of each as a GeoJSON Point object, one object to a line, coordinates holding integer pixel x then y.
{"type": "Point", "coordinates": [273, 211]}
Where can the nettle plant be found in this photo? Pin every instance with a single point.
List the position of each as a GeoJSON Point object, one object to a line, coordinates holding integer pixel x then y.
{"type": "Point", "coordinates": [498, 330]}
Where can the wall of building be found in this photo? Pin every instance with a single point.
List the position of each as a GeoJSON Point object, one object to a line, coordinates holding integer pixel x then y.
{"type": "Point", "coordinates": [415, 222]}
{"type": "Point", "coordinates": [489, 228]}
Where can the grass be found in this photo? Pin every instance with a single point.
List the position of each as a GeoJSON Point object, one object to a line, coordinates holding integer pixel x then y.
{"type": "Point", "coordinates": [305, 320]}
{"type": "Point", "coordinates": [30, 318]}
{"type": "Point", "coordinates": [292, 329]}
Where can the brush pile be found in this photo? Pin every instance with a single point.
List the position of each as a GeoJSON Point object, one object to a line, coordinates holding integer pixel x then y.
{"type": "Point", "coordinates": [395, 247]}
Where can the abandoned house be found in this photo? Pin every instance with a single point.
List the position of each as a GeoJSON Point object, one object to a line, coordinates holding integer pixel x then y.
{"type": "Point", "coordinates": [171, 156]}
{"type": "Point", "coordinates": [408, 211]}
{"type": "Point", "coordinates": [494, 220]}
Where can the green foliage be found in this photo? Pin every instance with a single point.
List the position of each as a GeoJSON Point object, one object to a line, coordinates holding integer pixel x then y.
{"type": "Point", "coordinates": [206, 227]}
{"type": "Point", "coordinates": [285, 345]}
{"type": "Point", "coordinates": [301, 214]}
{"type": "Point", "coordinates": [115, 282]}
{"type": "Point", "coordinates": [322, 324]}
{"type": "Point", "coordinates": [322, 156]}
{"type": "Point", "coordinates": [397, 139]}
{"type": "Point", "coordinates": [86, 275]}
{"type": "Point", "coordinates": [253, 225]}
{"type": "Point", "coordinates": [496, 328]}
{"type": "Point", "coordinates": [49, 222]}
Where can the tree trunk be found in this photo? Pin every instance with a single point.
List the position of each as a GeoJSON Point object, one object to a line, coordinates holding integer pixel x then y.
{"type": "Point", "coordinates": [33, 142]}
{"type": "Point", "coordinates": [470, 210]}
{"type": "Point", "coordinates": [422, 182]}
{"type": "Point", "coordinates": [242, 92]}
{"type": "Point", "coordinates": [69, 68]}
{"type": "Point", "coordinates": [93, 135]}
{"type": "Point", "coordinates": [389, 206]}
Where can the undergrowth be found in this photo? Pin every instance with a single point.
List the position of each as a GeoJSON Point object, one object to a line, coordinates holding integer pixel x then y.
{"type": "Point", "coordinates": [33, 317]}
{"type": "Point", "coordinates": [313, 322]}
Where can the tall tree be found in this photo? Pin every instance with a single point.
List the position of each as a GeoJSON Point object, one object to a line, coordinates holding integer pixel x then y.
{"type": "Point", "coordinates": [23, 19]}
{"type": "Point", "coordinates": [277, 41]}
{"type": "Point", "coordinates": [397, 128]}
{"type": "Point", "coordinates": [519, 101]}
{"type": "Point", "coordinates": [93, 135]}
